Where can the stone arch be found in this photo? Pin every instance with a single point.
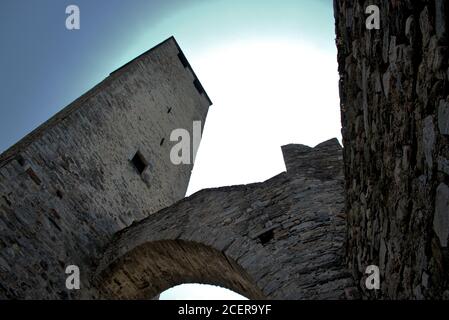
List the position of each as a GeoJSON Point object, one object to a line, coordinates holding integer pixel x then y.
{"type": "Point", "coordinates": [279, 239]}
{"type": "Point", "coordinates": [159, 265]}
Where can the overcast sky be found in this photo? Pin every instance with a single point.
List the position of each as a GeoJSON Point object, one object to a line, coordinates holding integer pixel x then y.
{"type": "Point", "coordinates": [269, 66]}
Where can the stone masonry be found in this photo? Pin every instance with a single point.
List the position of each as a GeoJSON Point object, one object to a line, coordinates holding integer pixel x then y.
{"type": "Point", "coordinates": [280, 239]}
{"type": "Point", "coordinates": [394, 90]}
{"type": "Point", "coordinates": [94, 187]}
{"type": "Point", "coordinates": [66, 188]}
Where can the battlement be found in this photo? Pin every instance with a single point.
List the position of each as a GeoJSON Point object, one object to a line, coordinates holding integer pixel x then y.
{"type": "Point", "coordinates": [324, 161]}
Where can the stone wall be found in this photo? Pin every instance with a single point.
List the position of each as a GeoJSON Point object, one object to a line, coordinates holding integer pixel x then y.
{"type": "Point", "coordinates": [66, 188]}
{"type": "Point", "coordinates": [394, 90]}
{"type": "Point", "coordinates": [280, 239]}
{"type": "Point", "coordinates": [71, 185]}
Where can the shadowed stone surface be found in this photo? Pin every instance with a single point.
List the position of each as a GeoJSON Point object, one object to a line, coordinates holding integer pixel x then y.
{"type": "Point", "coordinates": [68, 187]}
{"type": "Point", "coordinates": [102, 164]}
{"type": "Point", "coordinates": [394, 89]}
{"type": "Point", "coordinates": [280, 239]}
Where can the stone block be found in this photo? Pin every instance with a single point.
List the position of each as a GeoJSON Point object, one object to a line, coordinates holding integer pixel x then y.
{"type": "Point", "coordinates": [441, 218]}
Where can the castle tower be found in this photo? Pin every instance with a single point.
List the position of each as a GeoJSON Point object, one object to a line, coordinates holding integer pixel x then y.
{"type": "Point", "coordinates": [93, 169]}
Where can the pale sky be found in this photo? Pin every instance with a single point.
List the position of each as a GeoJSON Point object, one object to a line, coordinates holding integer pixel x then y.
{"type": "Point", "coordinates": [267, 92]}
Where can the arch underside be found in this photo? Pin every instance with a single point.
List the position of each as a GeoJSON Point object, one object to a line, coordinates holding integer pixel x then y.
{"type": "Point", "coordinates": [157, 266]}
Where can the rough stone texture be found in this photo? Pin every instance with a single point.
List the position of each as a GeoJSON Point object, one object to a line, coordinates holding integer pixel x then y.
{"type": "Point", "coordinates": [394, 90]}
{"type": "Point", "coordinates": [443, 117]}
{"type": "Point", "coordinates": [441, 220]}
{"type": "Point", "coordinates": [322, 162]}
{"type": "Point", "coordinates": [66, 188]}
{"type": "Point", "coordinates": [70, 185]}
{"type": "Point", "coordinates": [280, 239]}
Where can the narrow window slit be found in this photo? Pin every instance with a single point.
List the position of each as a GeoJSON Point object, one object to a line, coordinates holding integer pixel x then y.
{"type": "Point", "coordinates": [59, 194]}
{"type": "Point", "coordinates": [183, 59]}
{"type": "Point", "coordinates": [54, 223]}
{"type": "Point", "coordinates": [198, 86]}
{"type": "Point", "coordinates": [7, 201]}
{"type": "Point", "coordinates": [33, 176]}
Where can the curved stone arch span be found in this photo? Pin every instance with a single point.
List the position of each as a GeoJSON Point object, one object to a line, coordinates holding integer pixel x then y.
{"type": "Point", "coordinates": [160, 265]}
{"type": "Point", "coordinates": [279, 239]}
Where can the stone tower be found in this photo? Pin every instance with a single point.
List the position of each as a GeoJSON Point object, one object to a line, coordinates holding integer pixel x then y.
{"type": "Point", "coordinates": [93, 169]}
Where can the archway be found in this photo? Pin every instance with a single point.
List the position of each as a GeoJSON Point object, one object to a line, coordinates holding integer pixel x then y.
{"type": "Point", "coordinates": [153, 267]}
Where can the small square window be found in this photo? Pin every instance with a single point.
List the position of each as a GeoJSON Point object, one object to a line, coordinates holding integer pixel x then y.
{"type": "Point", "coordinates": [139, 162]}
{"type": "Point", "coordinates": [266, 237]}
